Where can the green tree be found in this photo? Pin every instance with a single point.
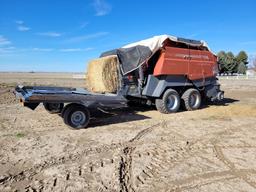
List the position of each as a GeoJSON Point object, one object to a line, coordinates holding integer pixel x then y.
{"type": "Point", "coordinates": [222, 61]}
{"type": "Point", "coordinates": [241, 68]}
{"type": "Point", "coordinates": [242, 57]}
{"type": "Point", "coordinates": [230, 64]}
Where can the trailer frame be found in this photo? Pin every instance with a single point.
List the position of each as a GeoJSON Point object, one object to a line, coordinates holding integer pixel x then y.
{"type": "Point", "coordinates": [74, 100]}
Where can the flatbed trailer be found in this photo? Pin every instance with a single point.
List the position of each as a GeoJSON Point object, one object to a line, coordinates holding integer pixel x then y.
{"type": "Point", "coordinates": [74, 104]}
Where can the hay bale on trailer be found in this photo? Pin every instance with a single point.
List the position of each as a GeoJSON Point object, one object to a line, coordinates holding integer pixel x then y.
{"type": "Point", "coordinates": [102, 74]}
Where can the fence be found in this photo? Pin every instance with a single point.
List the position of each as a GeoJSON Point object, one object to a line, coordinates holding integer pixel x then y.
{"type": "Point", "coordinates": [79, 76]}
{"type": "Point", "coordinates": [240, 77]}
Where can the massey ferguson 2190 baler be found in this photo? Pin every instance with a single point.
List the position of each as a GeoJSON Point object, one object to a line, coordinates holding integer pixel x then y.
{"type": "Point", "coordinates": [165, 71]}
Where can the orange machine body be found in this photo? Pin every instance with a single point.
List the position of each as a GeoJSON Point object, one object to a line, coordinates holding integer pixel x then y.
{"type": "Point", "coordinates": [194, 63]}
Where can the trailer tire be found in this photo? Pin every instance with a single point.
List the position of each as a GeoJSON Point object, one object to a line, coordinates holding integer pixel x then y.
{"type": "Point", "coordinates": [191, 99]}
{"type": "Point", "coordinates": [76, 116]}
{"type": "Point", "coordinates": [53, 107]}
{"type": "Point", "coordinates": [169, 103]}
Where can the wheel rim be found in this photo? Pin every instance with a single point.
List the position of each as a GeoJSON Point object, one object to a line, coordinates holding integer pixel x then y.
{"type": "Point", "coordinates": [172, 102]}
{"type": "Point", "coordinates": [194, 99]}
{"type": "Point", "coordinates": [78, 118]}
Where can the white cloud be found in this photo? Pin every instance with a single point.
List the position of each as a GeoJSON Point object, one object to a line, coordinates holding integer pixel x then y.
{"type": "Point", "coordinates": [19, 22]}
{"type": "Point", "coordinates": [10, 50]}
{"type": "Point", "coordinates": [50, 34]}
{"type": "Point", "coordinates": [76, 49]}
{"type": "Point", "coordinates": [87, 37]}
{"type": "Point", "coordinates": [4, 41]}
{"type": "Point", "coordinates": [42, 49]}
{"type": "Point", "coordinates": [101, 7]}
{"type": "Point", "coordinates": [23, 28]}
{"type": "Point", "coordinates": [6, 49]}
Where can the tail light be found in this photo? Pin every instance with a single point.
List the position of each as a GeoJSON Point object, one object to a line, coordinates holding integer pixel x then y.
{"type": "Point", "coordinates": [129, 77]}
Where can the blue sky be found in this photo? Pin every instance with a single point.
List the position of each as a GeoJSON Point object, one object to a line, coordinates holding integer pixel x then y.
{"type": "Point", "coordinates": [47, 35]}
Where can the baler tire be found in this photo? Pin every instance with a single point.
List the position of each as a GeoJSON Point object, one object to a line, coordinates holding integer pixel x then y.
{"type": "Point", "coordinates": [50, 108]}
{"type": "Point", "coordinates": [75, 113]}
{"type": "Point", "coordinates": [187, 97]}
{"type": "Point", "coordinates": [162, 104]}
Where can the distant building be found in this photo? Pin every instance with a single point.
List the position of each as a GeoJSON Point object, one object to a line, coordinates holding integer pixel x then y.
{"type": "Point", "coordinates": [250, 72]}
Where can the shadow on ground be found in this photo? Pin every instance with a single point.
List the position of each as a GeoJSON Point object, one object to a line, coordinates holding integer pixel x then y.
{"type": "Point", "coordinates": [101, 117]}
{"type": "Point", "coordinates": [224, 102]}
{"type": "Point", "coordinates": [128, 114]}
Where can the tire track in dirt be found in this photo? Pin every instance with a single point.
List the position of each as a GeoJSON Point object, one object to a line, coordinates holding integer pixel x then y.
{"type": "Point", "coordinates": [53, 162]}
{"type": "Point", "coordinates": [160, 164]}
{"type": "Point", "coordinates": [192, 183]}
{"type": "Point", "coordinates": [124, 168]}
{"type": "Point", "coordinates": [220, 155]}
{"type": "Point", "coordinates": [73, 173]}
{"type": "Point", "coordinates": [231, 166]}
{"type": "Point", "coordinates": [142, 133]}
{"type": "Point", "coordinates": [126, 163]}
{"type": "Point", "coordinates": [73, 179]}
{"type": "Point", "coordinates": [126, 174]}
{"type": "Point", "coordinates": [208, 178]}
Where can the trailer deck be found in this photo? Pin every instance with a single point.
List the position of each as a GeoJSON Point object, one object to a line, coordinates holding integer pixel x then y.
{"type": "Point", "coordinates": [29, 95]}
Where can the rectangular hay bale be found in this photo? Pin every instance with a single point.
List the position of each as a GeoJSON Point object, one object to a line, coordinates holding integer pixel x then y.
{"type": "Point", "coordinates": [102, 74]}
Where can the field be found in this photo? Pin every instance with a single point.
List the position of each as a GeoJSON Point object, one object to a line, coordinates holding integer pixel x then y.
{"type": "Point", "coordinates": [211, 149]}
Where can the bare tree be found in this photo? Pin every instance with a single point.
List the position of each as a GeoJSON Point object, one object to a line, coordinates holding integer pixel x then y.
{"type": "Point", "coordinates": [254, 63]}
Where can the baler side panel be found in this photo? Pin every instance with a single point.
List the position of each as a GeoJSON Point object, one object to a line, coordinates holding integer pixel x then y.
{"type": "Point", "coordinates": [172, 61]}
{"type": "Point", "coordinates": [201, 64]}
{"type": "Point", "coordinates": [196, 64]}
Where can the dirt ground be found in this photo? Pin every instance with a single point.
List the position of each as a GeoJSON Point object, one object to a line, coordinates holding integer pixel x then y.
{"type": "Point", "coordinates": [211, 149]}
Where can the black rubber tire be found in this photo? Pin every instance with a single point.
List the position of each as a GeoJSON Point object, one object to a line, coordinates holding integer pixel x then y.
{"type": "Point", "coordinates": [69, 119]}
{"type": "Point", "coordinates": [187, 97]}
{"type": "Point", "coordinates": [53, 107]}
{"type": "Point", "coordinates": [162, 104]}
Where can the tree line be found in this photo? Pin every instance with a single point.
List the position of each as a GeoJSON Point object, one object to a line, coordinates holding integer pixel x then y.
{"type": "Point", "coordinates": [229, 63]}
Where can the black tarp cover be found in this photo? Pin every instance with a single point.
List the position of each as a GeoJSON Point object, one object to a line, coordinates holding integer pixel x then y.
{"type": "Point", "coordinates": [130, 58]}
{"type": "Point", "coordinates": [134, 55]}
